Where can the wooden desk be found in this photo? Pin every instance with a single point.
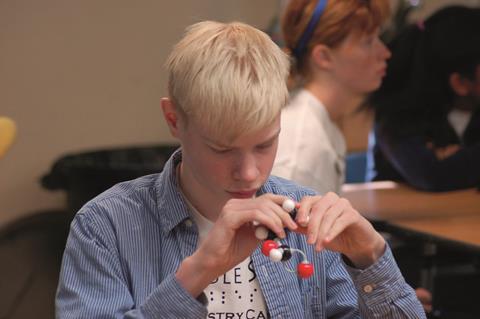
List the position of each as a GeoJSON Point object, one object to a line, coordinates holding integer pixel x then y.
{"type": "Point", "coordinates": [464, 230]}
{"type": "Point", "coordinates": [448, 216]}
{"type": "Point", "coordinates": [433, 220]}
{"type": "Point", "coordinates": [388, 201]}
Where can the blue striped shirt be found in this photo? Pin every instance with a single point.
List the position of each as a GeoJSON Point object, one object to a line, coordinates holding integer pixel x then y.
{"type": "Point", "coordinates": [125, 245]}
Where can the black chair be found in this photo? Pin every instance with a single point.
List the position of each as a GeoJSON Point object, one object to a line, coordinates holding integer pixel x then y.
{"type": "Point", "coordinates": [87, 174]}
{"type": "Point", "coordinates": [31, 250]}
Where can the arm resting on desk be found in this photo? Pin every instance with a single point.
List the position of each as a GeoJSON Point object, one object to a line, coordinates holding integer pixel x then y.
{"type": "Point", "coordinates": [419, 166]}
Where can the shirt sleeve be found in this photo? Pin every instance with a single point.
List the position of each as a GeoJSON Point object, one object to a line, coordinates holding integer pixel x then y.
{"type": "Point", "coordinates": [419, 166]}
{"type": "Point", "coordinates": [383, 292]}
{"type": "Point", "coordinates": [93, 284]}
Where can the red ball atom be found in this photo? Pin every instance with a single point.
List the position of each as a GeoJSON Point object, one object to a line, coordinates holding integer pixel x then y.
{"type": "Point", "coordinates": [267, 246]}
{"type": "Point", "coordinates": [305, 269]}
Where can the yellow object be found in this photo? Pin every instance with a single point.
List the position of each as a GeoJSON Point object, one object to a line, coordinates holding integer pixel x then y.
{"type": "Point", "coordinates": [7, 134]}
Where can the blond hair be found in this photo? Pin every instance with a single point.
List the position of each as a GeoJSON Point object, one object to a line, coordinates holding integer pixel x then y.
{"type": "Point", "coordinates": [230, 78]}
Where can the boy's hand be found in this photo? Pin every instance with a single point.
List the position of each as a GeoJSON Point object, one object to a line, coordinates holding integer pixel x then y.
{"type": "Point", "coordinates": [334, 224]}
{"type": "Point", "coordinates": [232, 239]}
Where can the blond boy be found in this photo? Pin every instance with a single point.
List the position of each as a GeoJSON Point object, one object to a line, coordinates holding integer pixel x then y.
{"type": "Point", "coordinates": [181, 244]}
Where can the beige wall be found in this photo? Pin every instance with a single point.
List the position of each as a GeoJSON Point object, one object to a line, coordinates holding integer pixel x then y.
{"type": "Point", "coordinates": [79, 75]}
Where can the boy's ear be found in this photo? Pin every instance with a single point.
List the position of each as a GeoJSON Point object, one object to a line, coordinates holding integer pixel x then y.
{"type": "Point", "coordinates": [171, 115]}
{"type": "Point", "coordinates": [459, 84]}
{"type": "Point", "coordinates": [322, 56]}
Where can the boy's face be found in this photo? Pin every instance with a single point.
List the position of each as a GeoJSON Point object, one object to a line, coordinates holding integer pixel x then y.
{"type": "Point", "coordinates": [214, 171]}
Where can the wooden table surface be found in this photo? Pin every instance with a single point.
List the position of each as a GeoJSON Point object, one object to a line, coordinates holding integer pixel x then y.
{"type": "Point", "coordinates": [464, 229]}
{"type": "Point", "coordinates": [452, 215]}
{"type": "Point", "coordinates": [392, 201]}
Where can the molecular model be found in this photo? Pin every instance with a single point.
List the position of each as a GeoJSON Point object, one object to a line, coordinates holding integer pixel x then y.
{"type": "Point", "coordinates": [279, 252]}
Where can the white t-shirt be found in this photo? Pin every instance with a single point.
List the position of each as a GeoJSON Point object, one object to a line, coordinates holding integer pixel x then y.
{"type": "Point", "coordinates": [237, 293]}
{"type": "Point", "coordinates": [311, 149]}
{"type": "Point", "coordinates": [459, 120]}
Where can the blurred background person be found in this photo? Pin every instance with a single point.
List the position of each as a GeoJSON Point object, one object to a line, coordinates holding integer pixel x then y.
{"type": "Point", "coordinates": [338, 59]}
{"type": "Point", "coordinates": [427, 118]}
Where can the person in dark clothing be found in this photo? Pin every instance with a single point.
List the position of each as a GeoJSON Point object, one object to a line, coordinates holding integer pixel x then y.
{"type": "Point", "coordinates": [427, 111]}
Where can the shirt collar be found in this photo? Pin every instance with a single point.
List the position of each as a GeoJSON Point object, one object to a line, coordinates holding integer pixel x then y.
{"type": "Point", "coordinates": [172, 208]}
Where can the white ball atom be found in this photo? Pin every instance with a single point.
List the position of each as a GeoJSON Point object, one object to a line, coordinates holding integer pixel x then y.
{"type": "Point", "coordinates": [261, 233]}
{"type": "Point", "coordinates": [276, 254]}
{"type": "Point", "coordinates": [288, 205]}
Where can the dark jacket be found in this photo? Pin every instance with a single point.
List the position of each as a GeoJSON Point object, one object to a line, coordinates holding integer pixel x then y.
{"type": "Point", "coordinates": [408, 159]}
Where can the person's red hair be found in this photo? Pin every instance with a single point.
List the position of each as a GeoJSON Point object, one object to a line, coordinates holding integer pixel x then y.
{"type": "Point", "coordinates": [338, 20]}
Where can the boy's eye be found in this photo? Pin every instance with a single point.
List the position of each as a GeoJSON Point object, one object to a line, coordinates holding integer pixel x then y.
{"type": "Point", "coordinates": [265, 146]}
{"type": "Point", "coordinates": [220, 150]}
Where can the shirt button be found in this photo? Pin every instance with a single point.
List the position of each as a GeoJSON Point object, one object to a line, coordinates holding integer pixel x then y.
{"type": "Point", "coordinates": [188, 223]}
{"type": "Point", "coordinates": [368, 288]}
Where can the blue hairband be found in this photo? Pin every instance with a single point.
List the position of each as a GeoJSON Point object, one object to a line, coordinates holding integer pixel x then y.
{"type": "Point", "coordinates": [302, 43]}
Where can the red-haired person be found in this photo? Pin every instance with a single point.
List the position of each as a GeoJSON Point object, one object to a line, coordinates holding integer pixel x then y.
{"type": "Point", "coordinates": [338, 60]}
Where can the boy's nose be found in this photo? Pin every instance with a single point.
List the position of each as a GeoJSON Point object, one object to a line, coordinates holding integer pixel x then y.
{"type": "Point", "coordinates": [246, 170]}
